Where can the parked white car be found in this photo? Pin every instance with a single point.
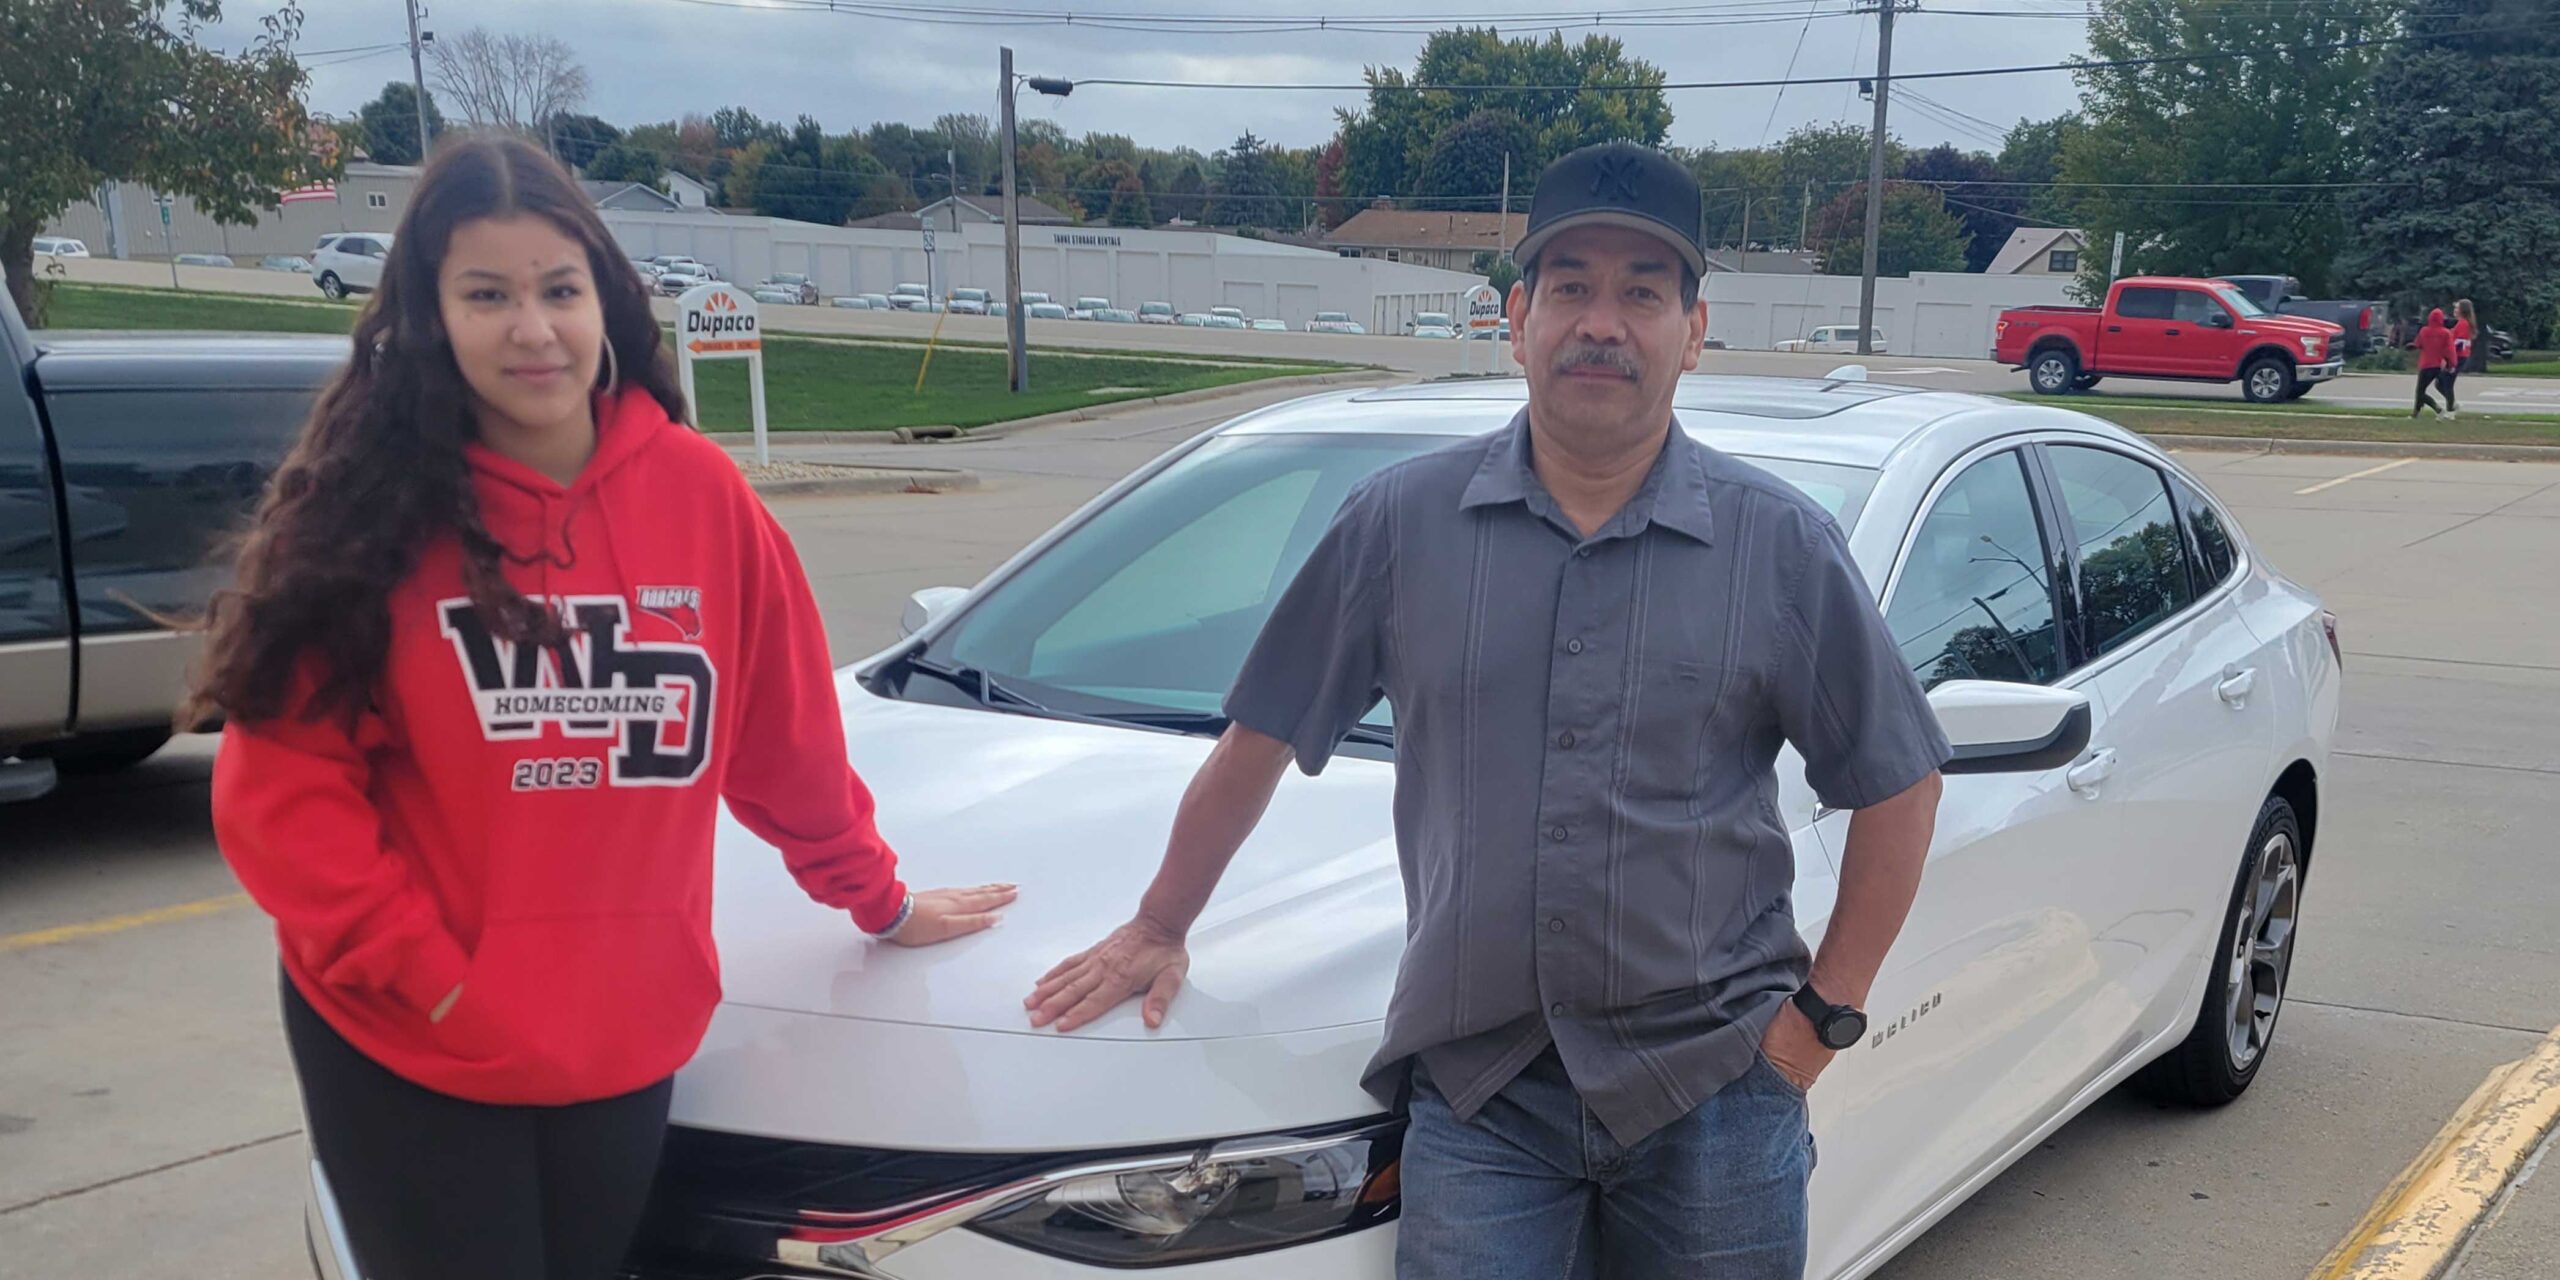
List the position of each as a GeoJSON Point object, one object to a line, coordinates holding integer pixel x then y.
{"type": "Point", "coordinates": [1086, 307]}
{"type": "Point", "coordinates": [969, 302]}
{"type": "Point", "coordinates": [1832, 339]}
{"type": "Point", "coordinates": [1335, 322]}
{"type": "Point", "coordinates": [910, 297]}
{"type": "Point", "coordinates": [1156, 313]}
{"type": "Point", "coordinates": [60, 247]}
{"type": "Point", "coordinates": [1438, 321]}
{"type": "Point", "coordinates": [348, 262]}
{"type": "Point", "coordinates": [1044, 311]}
{"type": "Point", "coordinates": [2143, 710]}
{"type": "Point", "coordinates": [681, 276]}
{"type": "Point", "coordinates": [205, 260]}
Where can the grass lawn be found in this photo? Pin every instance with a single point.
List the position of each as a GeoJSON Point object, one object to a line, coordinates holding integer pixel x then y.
{"type": "Point", "coordinates": [2302, 422]}
{"type": "Point", "coordinates": [810, 384]}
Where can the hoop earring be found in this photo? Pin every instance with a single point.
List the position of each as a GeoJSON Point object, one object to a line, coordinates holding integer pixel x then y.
{"type": "Point", "coordinates": [612, 370]}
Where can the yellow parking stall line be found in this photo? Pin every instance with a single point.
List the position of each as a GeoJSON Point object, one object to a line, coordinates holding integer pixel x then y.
{"type": "Point", "coordinates": [2419, 1224]}
{"type": "Point", "coordinates": [2368, 471]}
{"type": "Point", "coordinates": [118, 924]}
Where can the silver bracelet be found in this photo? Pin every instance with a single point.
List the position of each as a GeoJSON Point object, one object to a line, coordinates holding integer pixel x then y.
{"type": "Point", "coordinates": [906, 911]}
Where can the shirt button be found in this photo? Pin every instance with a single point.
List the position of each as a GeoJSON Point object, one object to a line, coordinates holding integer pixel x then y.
{"type": "Point", "coordinates": [1555, 925]}
{"type": "Point", "coordinates": [1565, 739]}
{"type": "Point", "coordinates": [1573, 646]}
{"type": "Point", "coordinates": [1582, 553]}
{"type": "Point", "coordinates": [1558, 833]}
{"type": "Point", "coordinates": [1555, 1010]}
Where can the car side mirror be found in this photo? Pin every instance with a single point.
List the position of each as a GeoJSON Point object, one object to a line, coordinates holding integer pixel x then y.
{"type": "Point", "coordinates": [2218, 320]}
{"type": "Point", "coordinates": [929, 606]}
{"type": "Point", "coordinates": [2000, 727]}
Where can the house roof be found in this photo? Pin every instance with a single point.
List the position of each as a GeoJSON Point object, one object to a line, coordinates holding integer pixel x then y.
{"type": "Point", "coordinates": [1035, 211]}
{"type": "Point", "coordinates": [2027, 243]}
{"type": "Point", "coordinates": [1429, 229]}
{"type": "Point", "coordinates": [600, 192]}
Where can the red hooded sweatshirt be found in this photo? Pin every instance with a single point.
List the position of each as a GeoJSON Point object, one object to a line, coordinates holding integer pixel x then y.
{"type": "Point", "coordinates": [2435, 343]}
{"type": "Point", "coordinates": [536, 825]}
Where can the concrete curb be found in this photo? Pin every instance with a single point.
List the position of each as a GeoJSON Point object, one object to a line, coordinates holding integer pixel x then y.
{"type": "Point", "coordinates": [2418, 1226]}
{"type": "Point", "coordinates": [2361, 448]}
{"type": "Point", "coordinates": [871, 480]}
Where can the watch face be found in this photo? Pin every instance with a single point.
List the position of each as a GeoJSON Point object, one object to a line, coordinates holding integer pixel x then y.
{"type": "Point", "coordinates": [1843, 1029]}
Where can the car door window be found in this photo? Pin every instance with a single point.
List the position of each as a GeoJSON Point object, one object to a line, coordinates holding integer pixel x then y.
{"type": "Point", "coordinates": [1975, 599]}
{"type": "Point", "coordinates": [2133, 567]}
{"type": "Point", "coordinates": [2146, 304]}
{"type": "Point", "coordinates": [2192, 307]}
{"type": "Point", "coordinates": [2213, 557]}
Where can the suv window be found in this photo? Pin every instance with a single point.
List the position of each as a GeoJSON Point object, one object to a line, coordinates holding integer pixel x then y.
{"type": "Point", "coordinates": [2213, 557]}
{"type": "Point", "coordinates": [2147, 304]}
{"type": "Point", "coordinates": [1975, 599]}
{"type": "Point", "coordinates": [2193, 307]}
{"type": "Point", "coordinates": [2133, 567]}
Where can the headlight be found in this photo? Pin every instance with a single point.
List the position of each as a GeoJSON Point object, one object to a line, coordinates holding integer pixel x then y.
{"type": "Point", "coordinates": [2311, 346]}
{"type": "Point", "coordinates": [1236, 1198]}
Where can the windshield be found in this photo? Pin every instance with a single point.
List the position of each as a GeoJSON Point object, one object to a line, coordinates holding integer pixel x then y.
{"type": "Point", "coordinates": [1150, 606]}
{"type": "Point", "coordinates": [2238, 302]}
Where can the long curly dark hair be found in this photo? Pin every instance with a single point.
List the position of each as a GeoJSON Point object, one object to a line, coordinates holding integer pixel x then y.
{"type": "Point", "coordinates": [379, 474]}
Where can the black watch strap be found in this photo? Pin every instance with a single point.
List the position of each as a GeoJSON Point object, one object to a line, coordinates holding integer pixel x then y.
{"type": "Point", "coordinates": [1838, 1025]}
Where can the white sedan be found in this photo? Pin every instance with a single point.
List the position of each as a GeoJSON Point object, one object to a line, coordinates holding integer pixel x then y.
{"type": "Point", "coordinates": [2143, 709]}
{"type": "Point", "coordinates": [1833, 339]}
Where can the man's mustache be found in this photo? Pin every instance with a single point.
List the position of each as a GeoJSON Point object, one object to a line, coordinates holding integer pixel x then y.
{"type": "Point", "coordinates": [1595, 355]}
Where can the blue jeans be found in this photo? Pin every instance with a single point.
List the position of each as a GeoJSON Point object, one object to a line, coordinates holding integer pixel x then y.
{"type": "Point", "coordinates": [1534, 1188]}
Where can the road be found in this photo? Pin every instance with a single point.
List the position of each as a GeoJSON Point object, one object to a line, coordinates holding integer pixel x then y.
{"type": "Point", "coordinates": [1415, 355]}
{"type": "Point", "coordinates": [149, 1129]}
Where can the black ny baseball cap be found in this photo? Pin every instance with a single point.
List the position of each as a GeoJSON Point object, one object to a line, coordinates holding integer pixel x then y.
{"type": "Point", "coordinates": [1616, 184]}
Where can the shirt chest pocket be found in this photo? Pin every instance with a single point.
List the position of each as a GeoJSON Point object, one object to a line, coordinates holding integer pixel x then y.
{"type": "Point", "coordinates": [1677, 711]}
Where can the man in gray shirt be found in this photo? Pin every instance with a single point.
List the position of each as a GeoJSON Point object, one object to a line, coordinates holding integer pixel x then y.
{"type": "Point", "coordinates": [1596, 634]}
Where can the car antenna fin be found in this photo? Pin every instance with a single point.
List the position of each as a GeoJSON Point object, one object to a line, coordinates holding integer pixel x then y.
{"type": "Point", "coordinates": [1847, 373]}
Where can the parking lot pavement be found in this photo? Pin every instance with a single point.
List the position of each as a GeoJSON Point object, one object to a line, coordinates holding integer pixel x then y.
{"type": "Point", "coordinates": [148, 1126]}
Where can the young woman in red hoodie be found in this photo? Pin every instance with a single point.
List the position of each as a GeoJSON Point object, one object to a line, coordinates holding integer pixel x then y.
{"type": "Point", "coordinates": [2435, 363]}
{"type": "Point", "coordinates": [503, 638]}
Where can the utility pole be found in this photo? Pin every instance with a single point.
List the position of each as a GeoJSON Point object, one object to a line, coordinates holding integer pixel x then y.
{"type": "Point", "coordinates": [1017, 361]}
{"type": "Point", "coordinates": [1804, 219]}
{"type": "Point", "coordinates": [418, 77]}
{"type": "Point", "coordinates": [1875, 177]}
{"type": "Point", "coordinates": [1742, 256]}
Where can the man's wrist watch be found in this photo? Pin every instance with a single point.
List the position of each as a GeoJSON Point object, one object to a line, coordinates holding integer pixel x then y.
{"type": "Point", "coordinates": [906, 911]}
{"type": "Point", "coordinates": [1838, 1026]}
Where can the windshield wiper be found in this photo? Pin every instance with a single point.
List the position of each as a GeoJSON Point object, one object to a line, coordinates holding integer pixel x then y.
{"type": "Point", "coordinates": [996, 697]}
{"type": "Point", "coordinates": [1211, 724]}
{"type": "Point", "coordinates": [969, 680]}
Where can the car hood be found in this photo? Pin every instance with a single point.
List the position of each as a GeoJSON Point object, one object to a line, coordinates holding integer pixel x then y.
{"type": "Point", "coordinates": [2303, 325]}
{"type": "Point", "coordinates": [1304, 932]}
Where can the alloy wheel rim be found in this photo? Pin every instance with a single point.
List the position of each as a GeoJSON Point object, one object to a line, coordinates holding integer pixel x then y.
{"type": "Point", "coordinates": [2261, 952]}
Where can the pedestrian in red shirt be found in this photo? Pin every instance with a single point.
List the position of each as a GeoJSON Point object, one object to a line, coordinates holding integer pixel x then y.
{"type": "Point", "coordinates": [504, 637]}
{"type": "Point", "coordinates": [2435, 358]}
{"type": "Point", "coordinates": [2461, 348]}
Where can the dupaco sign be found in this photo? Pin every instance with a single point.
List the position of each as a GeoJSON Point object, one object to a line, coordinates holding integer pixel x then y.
{"type": "Point", "coordinates": [717, 321]}
{"type": "Point", "coordinates": [1483, 317]}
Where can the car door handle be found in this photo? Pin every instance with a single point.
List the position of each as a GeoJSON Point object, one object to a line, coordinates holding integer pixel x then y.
{"type": "Point", "coordinates": [2236, 684]}
{"type": "Point", "coordinates": [2169, 333]}
{"type": "Point", "coordinates": [2086, 776]}
{"type": "Point", "coordinates": [2115, 328]}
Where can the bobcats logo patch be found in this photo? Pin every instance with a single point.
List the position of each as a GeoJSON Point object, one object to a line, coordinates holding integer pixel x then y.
{"type": "Point", "coordinates": [655, 701]}
{"type": "Point", "coordinates": [678, 607]}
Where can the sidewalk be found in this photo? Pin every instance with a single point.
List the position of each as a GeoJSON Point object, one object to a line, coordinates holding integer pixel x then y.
{"type": "Point", "coordinates": [2522, 1242]}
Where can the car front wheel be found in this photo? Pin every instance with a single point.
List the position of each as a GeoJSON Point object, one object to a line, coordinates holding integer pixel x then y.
{"type": "Point", "coordinates": [2245, 992]}
{"type": "Point", "coordinates": [331, 285]}
{"type": "Point", "coordinates": [2268, 381]}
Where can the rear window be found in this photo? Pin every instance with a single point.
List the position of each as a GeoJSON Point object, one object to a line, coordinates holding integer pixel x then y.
{"type": "Point", "coordinates": [2147, 304]}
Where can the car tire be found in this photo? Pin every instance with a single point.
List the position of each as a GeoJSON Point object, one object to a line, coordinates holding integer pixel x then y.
{"type": "Point", "coordinates": [101, 753]}
{"type": "Point", "coordinates": [2300, 389]}
{"type": "Point", "coordinates": [2267, 380]}
{"type": "Point", "coordinates": [2253, 958]}
{"type": "Point", "coordinates": [331, 286]}
{"type": "Point", "coordinates": [2086, 381]}
{"type": "Point", "coordinates": [2052, 371]}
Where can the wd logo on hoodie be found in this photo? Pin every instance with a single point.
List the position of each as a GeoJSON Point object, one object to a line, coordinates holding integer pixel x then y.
{"type": "Point", "coordinates": [655, 700]}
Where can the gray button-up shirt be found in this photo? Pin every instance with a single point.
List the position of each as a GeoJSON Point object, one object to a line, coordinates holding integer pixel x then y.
{"type": "Point", "coordinates": [1585, 807]}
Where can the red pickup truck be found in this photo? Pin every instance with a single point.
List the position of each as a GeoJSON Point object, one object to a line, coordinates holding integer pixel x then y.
{"type": "Point", "coordinates": [2169, 327]}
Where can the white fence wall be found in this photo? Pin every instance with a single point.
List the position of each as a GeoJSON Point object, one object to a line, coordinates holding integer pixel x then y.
{"type": "Point", "coordinates": [1946, 315]}
{"type": "Point", "coordinates": [1193, 270]}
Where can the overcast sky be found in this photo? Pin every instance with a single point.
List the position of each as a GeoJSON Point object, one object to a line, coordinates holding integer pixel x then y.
{"type": "Point", "coordinates": [657, 59]}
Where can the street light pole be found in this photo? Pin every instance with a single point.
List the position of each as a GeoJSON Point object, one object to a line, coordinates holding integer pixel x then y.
{"type": "Point", "coordinates": [1017, 360]}
{"type": "Point", "coordinates": [417, 80]}
{"type": "Point", "coordinates": [1875, 177]}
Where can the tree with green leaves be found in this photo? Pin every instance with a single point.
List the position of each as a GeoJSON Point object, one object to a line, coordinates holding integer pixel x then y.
{"type": "Point", "coordinates": [2272, 119]}
{"type": "Point", "coordinates": [1333, 207]}
{"type": "Point", "coordinates": [387, 127]}
{"type": "Point", "coordinates": [2462, 134]}
{"type": "Point", "coordinates": [2031, 160]}
{"type": "Point", "coordinates": [1189, 198]}
{"type": "Point", "coordinates": [575, 138]}
{"type": "Point", "coordinates": [104, 90]}
{"type": "Point", "coordinates": [1727, 180]}
{"type": "Point", "coordinates": [1968, 182]}
{"type": "Point", "coordinates": [1600, 94]}
{"type": "Point", "coordinates": [1129, 207]}
{"type": "Point", "coordinates": [1247, 192]}
{"type": "Point", "coordinates": [624, 162]}
{"type": "Point", "coordinates": [1917, 234]}
{"type": "Point", "coordinates": [1468, 159]}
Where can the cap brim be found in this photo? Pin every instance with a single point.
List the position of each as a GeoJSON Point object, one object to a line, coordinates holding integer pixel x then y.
{"type": "Point", "coordinates": [1527, 250]}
